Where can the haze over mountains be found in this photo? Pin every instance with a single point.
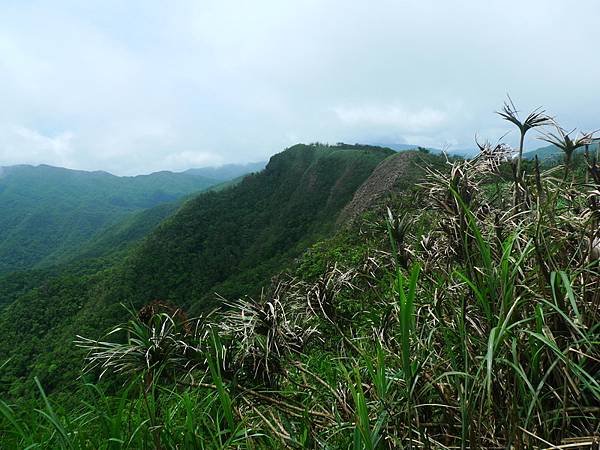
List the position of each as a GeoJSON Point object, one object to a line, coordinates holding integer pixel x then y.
{"type": "Point", "coordinates": [468, 152]}
{"type": "Point", "coordinates": [543, 152]}
{"type": "Point", "coordinates": [48, 212]}
{"type": "Point", "coordinates": [551, 152]}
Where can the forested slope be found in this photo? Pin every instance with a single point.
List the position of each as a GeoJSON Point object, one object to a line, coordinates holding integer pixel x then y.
{"type": "Point", "coordinates": [231, 242]}
{"type": "Point", "coordinates": [47, 213]}
{"type": "Point", "coordinates": [435, 312]}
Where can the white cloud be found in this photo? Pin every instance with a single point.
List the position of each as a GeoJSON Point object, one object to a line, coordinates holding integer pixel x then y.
{"type": "Point", "coordinates": [22, 145]}
{"type": "Point", "coordinates": [393, 116]}
{"type": "Point", "coordinates": [135, 86]}
{"type": "Point", "coordinates": [186, 159]}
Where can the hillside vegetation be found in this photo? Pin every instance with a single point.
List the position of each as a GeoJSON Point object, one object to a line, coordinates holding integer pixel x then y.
{"type": "Point", "coordinates": [49, 212]}
{"type": "Point", "coordinates": [231, 242]}
{"type": "Point", "coordinates": [453, 304]}
{"type": "Point", "coordinates": [554, 154]}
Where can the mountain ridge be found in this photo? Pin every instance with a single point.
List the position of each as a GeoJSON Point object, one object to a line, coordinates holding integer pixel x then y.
{"type": "Point", "coordinates": [551, 152]}
{"type": "Point", "coordinates": [220, 172]}
{"type": "Point", "coordinates": [231, 242]}
{"type": "Point", "coordinates": [51, 211]}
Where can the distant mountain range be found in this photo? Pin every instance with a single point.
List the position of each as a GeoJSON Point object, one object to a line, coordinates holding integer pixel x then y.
{"type": "Point", "coordinates": [48, 213]}
{"type": "Point", "coordinates": [553, 152]}
{"type": "Point", "coordinates": [546, 152]}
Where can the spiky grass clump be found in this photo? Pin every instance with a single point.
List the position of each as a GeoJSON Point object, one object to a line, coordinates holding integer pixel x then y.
{"type": "Point", "coordinates": [564, 141]}
{"type": "Point", "coordinates": [536, 118]}
{"type": "Point", "coordinates": [260, 336]}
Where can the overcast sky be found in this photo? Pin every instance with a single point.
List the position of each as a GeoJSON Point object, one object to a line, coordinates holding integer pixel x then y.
{"type": "Point", "coordinates": [134, 87]}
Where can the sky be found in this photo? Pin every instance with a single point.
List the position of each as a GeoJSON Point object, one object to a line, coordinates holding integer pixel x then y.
{"type": "Point", "coordinates": [134, 87]}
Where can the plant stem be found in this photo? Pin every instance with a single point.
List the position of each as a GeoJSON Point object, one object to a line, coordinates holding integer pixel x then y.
{"type": "Point", "coordinates": [518, 174]}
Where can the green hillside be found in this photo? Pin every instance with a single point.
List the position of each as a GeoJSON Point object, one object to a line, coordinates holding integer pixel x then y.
{"type": "Point", "coordinates": [235, 240]}
{"type": "Point", "coordinates": [407, 300]}
{"type": "Point", "coordinates": [49, 212]}
{"type": "Point", "coordinates": [117, 238]}
{"type": "Point", "coordinates": [374, 300]}
{"type": "Point", "coordinates": [231, 242]}
{"type": "Point", "coordinates": [551, 152]}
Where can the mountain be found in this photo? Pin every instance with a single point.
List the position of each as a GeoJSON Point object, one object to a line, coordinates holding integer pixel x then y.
{"type": "Point", "coordinates": [48, 212]}
{"type": "Point", "coordinates": [125, 233]}
{"type": "Point", "coordinates": [394, 174]}
{"type": "Point", "coordinates": [547, 152]}
{"type": "Point", "coordinates": [363, 304]}
{"type": "Point", "coordinates": [231, 242]}
{"type": "Point", "coordinates": [551, 152]}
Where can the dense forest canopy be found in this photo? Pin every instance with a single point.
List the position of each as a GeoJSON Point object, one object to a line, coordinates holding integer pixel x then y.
{"type": "Point", "coordinates": [49, 212]}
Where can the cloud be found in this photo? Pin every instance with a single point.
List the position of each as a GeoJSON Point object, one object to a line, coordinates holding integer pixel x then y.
{"type": "Point", "coordinates": [187, 159]}
{"type": "Point", "coordinates": [22, 145]}
{"type": "Point", "coordinates": [393, 116]}
{"type": "Point", "coordinates": [136, 86]}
